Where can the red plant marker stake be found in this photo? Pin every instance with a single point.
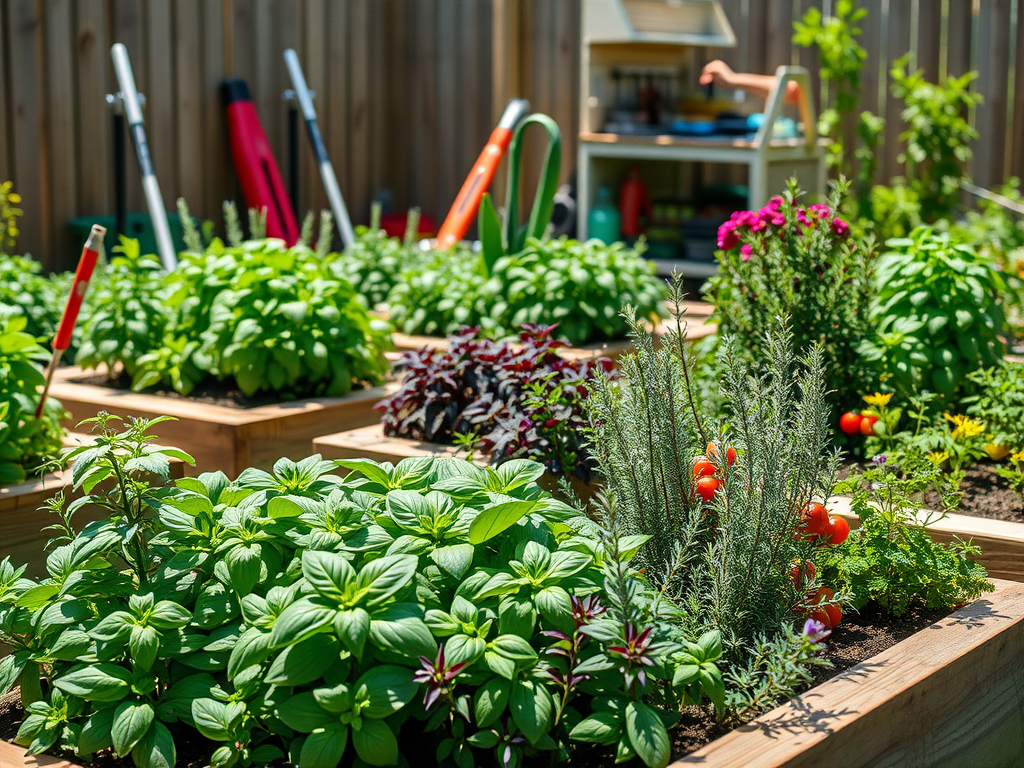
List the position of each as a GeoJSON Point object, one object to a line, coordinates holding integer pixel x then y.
{"type": "Point", "coordinates": [86, 264]}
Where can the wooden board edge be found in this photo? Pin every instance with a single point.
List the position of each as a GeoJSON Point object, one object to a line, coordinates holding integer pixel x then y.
{"type": "Point", "coordinates": [785, 736]}
{"type": "Point", "coordinates": [371, 443]}
{"type": "Point", "coordinates": [65, 389]}
{"type": "Point", "coordinates": [1001, 541]}
{"type": "Point", "coordinates": [13, 756]}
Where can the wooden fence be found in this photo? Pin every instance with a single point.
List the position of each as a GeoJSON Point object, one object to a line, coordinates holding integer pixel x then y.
{"type": "Point", "coordinates": [407, 90]}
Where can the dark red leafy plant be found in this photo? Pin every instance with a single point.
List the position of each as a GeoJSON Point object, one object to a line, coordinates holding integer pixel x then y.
{"type": "Point", "coordinates": [514, 399]}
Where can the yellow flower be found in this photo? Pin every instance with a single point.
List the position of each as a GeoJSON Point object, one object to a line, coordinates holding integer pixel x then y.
{"type": "Point", "coordinates": [878, 399]}
{"type": "Point", "coordinates": [1018, 457]}
{"type": "Point", "coordinates": [964, 427]}
{"type": "Point", "coordinates": [937, 457]}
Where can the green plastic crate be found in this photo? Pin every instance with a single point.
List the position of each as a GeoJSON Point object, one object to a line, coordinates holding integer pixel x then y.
{"type": "Point", "coordinates": [138, 225]}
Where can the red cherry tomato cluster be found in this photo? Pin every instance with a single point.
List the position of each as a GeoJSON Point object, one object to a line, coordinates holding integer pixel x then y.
{"type": "Point", "coordinates": [706, 471]}
{"type": "Point", "coordinates": [816, 524]}
{"type": "Point", "coordinates": [865, 423]}
{"type": "Point", "coordinates": [831, 614]}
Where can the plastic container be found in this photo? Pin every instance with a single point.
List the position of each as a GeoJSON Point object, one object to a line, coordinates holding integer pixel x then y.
{"type": "Point", "coordinates": [604, 222]}
{"type": "Point", "coordinates": [138, 226]}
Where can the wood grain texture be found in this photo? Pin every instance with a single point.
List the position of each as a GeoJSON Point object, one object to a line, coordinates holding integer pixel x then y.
{"type": "Point", "coordinates": [371, 443]}
{"type": "Point", "coordinates": [1001, 541]}
{"type": "Point", "coordinates": [949, 696]}
{"type": "Point", "coordinates": [219, 437]}
{"type": "Point", "coordinates": [410, 88]}
{"type": "Point", "coordinates": [696, 330]}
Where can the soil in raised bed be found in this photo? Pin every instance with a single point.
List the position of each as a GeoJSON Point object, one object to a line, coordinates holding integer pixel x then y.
{"type": "Point", "coordinates": [986, 494]}
{"type": "Point", "coordinates": [860, 636]}
{"type": "Point", "coordinates": [209, 392]}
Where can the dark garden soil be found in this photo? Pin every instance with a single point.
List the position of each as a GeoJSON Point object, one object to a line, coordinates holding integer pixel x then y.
{"type": "Point", "coordinates": [208, 393]}
{"type": "Point", "coordinates": [986, 494]}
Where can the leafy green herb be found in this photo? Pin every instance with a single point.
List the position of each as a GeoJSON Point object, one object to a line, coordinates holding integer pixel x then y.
{"type": "Point", "coordinates": [25, 442]}
{"type": "Point", "coordinates": [297, 613]}
{"type": "Point", "coordinates": [936, 314]}
{"type": "Point", "coordinates": [580, 286]}
{"type": "Point", "coordinates": [891, 559]}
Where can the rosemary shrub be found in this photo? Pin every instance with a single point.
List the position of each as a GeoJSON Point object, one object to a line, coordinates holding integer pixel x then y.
{"type": "Point", "coordinates": [724, 562]}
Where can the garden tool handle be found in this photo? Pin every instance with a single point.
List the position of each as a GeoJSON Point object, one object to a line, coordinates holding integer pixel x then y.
{"type": "Point", "coordinates": [463, 210]}
{"type": "Point", "coordinates": [86, 265]}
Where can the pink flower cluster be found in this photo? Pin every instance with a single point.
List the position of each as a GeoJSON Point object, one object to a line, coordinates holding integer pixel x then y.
{"type": "Point", "coordinates": [772, 216]}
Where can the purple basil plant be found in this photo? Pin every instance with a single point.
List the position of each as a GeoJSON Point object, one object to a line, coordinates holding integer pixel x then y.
{"type": "Point", "coordinates": [517, 399]}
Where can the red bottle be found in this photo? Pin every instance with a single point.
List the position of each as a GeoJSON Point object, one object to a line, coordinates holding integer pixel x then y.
{"type": "Point", "coordinates": [634, 204]}
{"type": "Point", "coordinates": [254, 162]}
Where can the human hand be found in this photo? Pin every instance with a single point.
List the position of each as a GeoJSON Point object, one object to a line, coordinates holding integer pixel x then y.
{"type": "Point", "coordinates": [717, 71]}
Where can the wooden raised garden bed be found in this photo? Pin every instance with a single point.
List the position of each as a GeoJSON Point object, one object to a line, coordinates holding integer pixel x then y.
{"type": "Point", "coordinates": [698, 327]}
{"type": "Point", "coordinates": [372, 443]}
{"type": "Point", "coordinates": [948, 696]}
{"type": "Point", "coordinates": [21, 524]}
{"type": "Point", "coordinates": [222, 437]}
{"type": "Point", "coordinates": [1001, 541]}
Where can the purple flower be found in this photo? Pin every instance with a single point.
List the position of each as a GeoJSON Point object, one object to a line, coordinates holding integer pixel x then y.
{"type": "Point", "coordinates": [746, 251]}
{"type": "Point", "coordinates": [840, 227]}
{"type": "Point", "coordinates": [879, 459]}
{"type": "Point", "coordinates": [815, 631]}
{"type": "Point", "coordinates": [437, 676]}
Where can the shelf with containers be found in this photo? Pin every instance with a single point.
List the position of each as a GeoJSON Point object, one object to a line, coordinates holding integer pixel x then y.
{"type": "Point", "coordinates": [638, 59]}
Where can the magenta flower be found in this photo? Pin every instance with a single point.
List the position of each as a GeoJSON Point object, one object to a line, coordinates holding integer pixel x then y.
{"type": "Point", "coordinates": [840, 227]}
{"type": "Point", "coordinates": [746, 251]}
{"type": "Point", "coordinates": [819, 210]}
{"type": "Point", "coordinates": [775, 203]}
{"type": "Point", "coordinates": [727, 237]}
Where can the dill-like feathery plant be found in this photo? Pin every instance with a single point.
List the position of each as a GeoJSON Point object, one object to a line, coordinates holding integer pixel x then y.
{"type": "Point", "coordinates": [726, 564]}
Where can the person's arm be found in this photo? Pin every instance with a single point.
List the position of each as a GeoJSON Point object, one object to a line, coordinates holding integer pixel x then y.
{"type": "Point", "coordinates": [757, 85]}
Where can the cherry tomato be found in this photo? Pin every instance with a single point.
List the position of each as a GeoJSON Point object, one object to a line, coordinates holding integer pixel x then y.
{"type": "Point", "coordinates": [703, 468]}
{"type": "Point", "coordinates": [813, 520]}
{"type": "Point", "coordinates": [867, 422]}
{"type": "Point", "coordinates": [849, 422]}
{"type": "Point", "coordinates": [837, 530]}
{"type": "Point", "coordinates": [706, 487]}
{"type": "Point", "coordinates": [801, 574]}
{"type": "Point", "coordinates": [835, 614]}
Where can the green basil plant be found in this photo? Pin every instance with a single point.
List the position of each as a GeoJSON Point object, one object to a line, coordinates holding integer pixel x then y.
{"type": "Point", "coordinates": [430, 610]}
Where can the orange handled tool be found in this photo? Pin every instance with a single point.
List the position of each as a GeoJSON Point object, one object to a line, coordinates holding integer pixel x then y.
{"type": "Point", "coordinates": [86, 264]}
{"type": "Point", "coordinates": [463, 210]}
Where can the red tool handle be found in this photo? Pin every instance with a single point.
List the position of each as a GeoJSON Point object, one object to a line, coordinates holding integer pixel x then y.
{"type": "Point", "coordinates": [86, 264]}
{"type": "Point", "coordinates": [261, 181]}
{"type": "Point", "coordinates": [463, 211]}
